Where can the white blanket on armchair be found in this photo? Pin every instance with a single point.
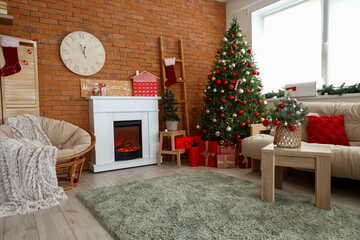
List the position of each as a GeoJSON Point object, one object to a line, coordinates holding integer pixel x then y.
{"type": "Point", "coordinates": [28, 179]}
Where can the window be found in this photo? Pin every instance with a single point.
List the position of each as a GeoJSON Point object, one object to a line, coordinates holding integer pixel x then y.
{"type": "Point", "coordinates": [302, 41]}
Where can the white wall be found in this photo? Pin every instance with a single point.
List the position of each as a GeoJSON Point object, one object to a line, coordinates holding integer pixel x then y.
{"type": "Point", "coordinates": [242, 9]}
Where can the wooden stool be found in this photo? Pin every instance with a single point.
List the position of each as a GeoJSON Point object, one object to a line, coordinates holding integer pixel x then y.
{"type": "Point", "coordinates": [172, 151]}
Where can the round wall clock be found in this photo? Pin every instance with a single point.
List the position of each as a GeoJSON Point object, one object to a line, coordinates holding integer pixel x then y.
{"type": "Point", "coordinates": [82, 53]}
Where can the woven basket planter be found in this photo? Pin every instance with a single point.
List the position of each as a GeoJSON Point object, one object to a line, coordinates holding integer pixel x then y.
{"type": "Point", "coordinates": [287, 139]}
{"type": "Point", "coordinates": [171, 125]}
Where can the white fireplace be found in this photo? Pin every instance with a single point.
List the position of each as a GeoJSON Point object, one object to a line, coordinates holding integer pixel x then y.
{"type": "Point", "coordinates": [108, 112]}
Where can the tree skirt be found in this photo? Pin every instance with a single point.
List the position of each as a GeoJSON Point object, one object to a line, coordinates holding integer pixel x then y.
{"type": "Point", "coordinates": [206, 205]}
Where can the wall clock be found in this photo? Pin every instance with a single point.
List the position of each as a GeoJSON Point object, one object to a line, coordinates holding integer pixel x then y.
{"type": "Point", "coordinates": [82, 53]}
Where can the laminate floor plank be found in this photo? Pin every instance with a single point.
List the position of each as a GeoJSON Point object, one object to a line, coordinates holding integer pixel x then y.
{"type": "Point", "coordinates": [54, 227]}
{"type": "Point", "coordinates": [20, 227]}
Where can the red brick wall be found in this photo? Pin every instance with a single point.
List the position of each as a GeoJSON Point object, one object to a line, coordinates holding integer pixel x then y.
{"type": "Point", "coordinates": [129, 31]}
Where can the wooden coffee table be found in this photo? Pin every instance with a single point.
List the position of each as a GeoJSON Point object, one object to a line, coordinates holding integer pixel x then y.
{"type": "Point", "coordinates": [316, 157]}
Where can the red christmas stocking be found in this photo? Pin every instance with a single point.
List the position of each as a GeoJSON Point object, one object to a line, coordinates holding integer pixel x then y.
{"type": "Point", "coordinates": [170, 71]}
{"type": "Point", "coordinates": [9, 47]}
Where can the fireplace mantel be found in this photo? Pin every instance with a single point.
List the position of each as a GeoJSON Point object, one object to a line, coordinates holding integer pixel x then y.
{"type": "Point", "coordinates": [104, 111]}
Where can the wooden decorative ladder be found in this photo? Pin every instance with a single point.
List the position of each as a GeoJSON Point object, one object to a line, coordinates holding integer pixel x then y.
{"type": "Point", "coordinates": [180, 80]}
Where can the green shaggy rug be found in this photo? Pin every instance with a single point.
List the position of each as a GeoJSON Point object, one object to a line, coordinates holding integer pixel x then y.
{"type": "Point", "coordinates": [206, 205]}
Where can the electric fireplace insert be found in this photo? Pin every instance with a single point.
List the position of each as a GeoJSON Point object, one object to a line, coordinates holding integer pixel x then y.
{"type": "Point", "coordinates": [127, 139]}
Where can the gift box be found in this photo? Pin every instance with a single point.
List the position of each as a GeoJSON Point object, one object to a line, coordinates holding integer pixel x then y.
{"type": "Point", "coordinates": [226, 150]}
{"type": "Point", "coordinates": [225, 161]}
{"type": "Point", "coordinates": [244, 162]}
{"type": "Point", "coordinates": [208, 153]}
{"type": "Point", "coordinates": [187, 142]}
{"type": "Point", "coordinates": [194, 156]}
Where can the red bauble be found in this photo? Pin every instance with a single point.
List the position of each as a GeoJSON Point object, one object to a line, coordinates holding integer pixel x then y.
{"type": "Point", "coordinates": [242, 124]}
{"type": "Point", "coordinates": [234, 74]}
{"type": "Point", "coordinates": [250, 64]}
{"type": "Point", "coordinates": [231, 87]}
{"type": "Point", "coordinates": [277, 110]}
{"type": "Point", "coordinates": [218, 82]}
{"type": "Point", "coordinates": [281, 105]}
{"type": "Point", "coordinates": [224, 68]}
{"type": "Point", "coordinates": [292, 128]}
{"type": "Point", "coordinates": [231, 143]}
{"type": "Point", "coordinates": [247, 90]}
{"type": "Point", "coordinates": [223, 101]}
{"type": "Point", "coordinates": [225, 82]}
{"type": "Point", "coordinates": [204, 131]}
{"type": "Point", "coordinates": [231, 97]}
{"type": "Point", "coordinates": [233, 81]}
{"type": "Point", "coordinates": [254, 100]}
{"type": "Point", "coordinates": [231, 34]}
{"type": "Point", "coordinates": [258, 73]}
{"type": "Point", "coordinates": [202, 109]}
{"type": "Point", "coordinates": [240, 112]}
{"type": "Point", "coordinates": [222, 115]}
{"type": "Point", "coordinates": [276, 122]}
{"type": "Point", "coordinates": [234, 46]}
{"type": "Point", "coordinates": [259, 89]}
{"type": "Point", "coordinates": [249, 51]}
{"type": "Point", "coordinates": [217, 71]}
{"type": "Point", "coordinates": [205, 98]}
{"type": "Point", "coordinates": [257, 114]}
{"type": "Point", "coordinates": [238, 137]}
{"type": "Point", "coordinates": [210, 99]}
{"type": "Point", "coordinates": [209, 76]}
{"type": "Point", "coordinates": [242, 63]}
{"type": "Point", "coordinates": [265, 122]}
{"type": "Point", "coordinates": [232, 52]}
{"type": "Point", "coordinates": [219, 51]}
{"type": "Point", "coordinates": [295, 101]}
{"type": "Point", "coordinates": [213, 103]}
{"type": "Point", "coordinates": [260, 101]}
{"type": "Point", "coordinates": [243, 102]}
{"type": "Point", "coordinates": [288, 115]}
{"type": "Point", "coordinates": [254, 71]}
{"type": "Point", "coordinates": [248, 122]}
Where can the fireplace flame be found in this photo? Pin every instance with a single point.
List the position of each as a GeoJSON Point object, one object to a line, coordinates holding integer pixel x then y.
{"type": "Point", "coordinates": [127, 146]}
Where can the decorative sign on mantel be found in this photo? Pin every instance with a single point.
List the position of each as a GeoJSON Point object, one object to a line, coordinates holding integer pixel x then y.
{"type": "Point", "coordinates": [113, 87]}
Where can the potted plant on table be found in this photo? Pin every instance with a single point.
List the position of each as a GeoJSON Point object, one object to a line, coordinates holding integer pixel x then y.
{"type": "Point", "coordinates": [169, 115]}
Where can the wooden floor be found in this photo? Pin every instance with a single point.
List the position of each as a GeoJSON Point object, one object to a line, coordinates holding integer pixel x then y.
{"type": "Point", "coordinates": [71, 220]}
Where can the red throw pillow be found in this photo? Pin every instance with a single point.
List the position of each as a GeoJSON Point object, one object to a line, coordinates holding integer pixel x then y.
{"type": "Point", "coordinates": [327, 130]}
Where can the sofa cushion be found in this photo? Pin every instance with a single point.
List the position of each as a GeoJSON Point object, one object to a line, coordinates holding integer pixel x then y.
{"type": "Point", "coordinates": [251, 146]}
{"type": "Point", "coordinates": [350, 111]}
{"type": "Point", "coordinates": [327, 130]}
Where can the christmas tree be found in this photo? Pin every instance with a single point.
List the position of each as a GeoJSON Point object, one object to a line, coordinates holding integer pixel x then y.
{"type": "Point", "coordinates": [233, 98]}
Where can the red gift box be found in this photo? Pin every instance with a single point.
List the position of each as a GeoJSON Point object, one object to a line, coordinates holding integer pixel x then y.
{"type": "Point", "coordinates": [208, 153]}
{"type": "Point", "coordinates": [186, 142]}
{"type": "Point", "coordinates": [225, 161]}
{"type": "Point", "coordinates": [226, 150]}
{"type": "Point", "coordinates": [244, 162]}
{"type": "Point", "coordinates": [194, 155]}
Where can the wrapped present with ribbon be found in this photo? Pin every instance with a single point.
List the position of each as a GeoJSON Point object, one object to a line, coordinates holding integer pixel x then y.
{"type": "Point", "coordinates": [225, 161]}
{"type": "Point", "coordinates": [208, 153]}
{"type": "Point", "coordinates": [194, 156]}
{"type": "Point", "coordinates": [244, 162]}
{"type": "Point", "coordinates": [226, 150]}
{"type": "Point", "coordinates": [187, 142]}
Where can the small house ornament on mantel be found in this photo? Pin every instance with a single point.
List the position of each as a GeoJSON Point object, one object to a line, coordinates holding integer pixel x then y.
{"type": "Point", "coordinates": [145, 84]}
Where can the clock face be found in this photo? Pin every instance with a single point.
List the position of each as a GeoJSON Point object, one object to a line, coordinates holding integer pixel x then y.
{"type": "Point", "coordinates": [82, 53]}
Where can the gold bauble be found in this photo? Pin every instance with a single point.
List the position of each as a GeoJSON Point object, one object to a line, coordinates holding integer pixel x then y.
{"type": "Point", "coordinates": [251, 81]}
{"type": "Point", "coordinates": [262, 119]}
{"type": "Point", "coordinates": [234, 115]}
{"type": "Point", "coordinates": [214, 120]}
{"type": "Point", "coordinates": [207, 111]}
{"type": "Point", "coordinates": [240, 91]}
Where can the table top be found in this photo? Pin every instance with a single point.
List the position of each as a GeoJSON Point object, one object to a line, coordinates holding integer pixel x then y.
{"type": "Point", "coordinates": [304, 150]}
{"type": "Point", "coordinates": [173, 133]}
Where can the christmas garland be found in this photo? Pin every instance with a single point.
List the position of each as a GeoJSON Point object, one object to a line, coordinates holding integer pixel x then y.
{"type": "Point", "coordinates": [325, 90]}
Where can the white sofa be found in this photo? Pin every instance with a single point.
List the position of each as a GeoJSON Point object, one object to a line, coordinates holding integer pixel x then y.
{"type": "Point", "coordinates": [345, 160]}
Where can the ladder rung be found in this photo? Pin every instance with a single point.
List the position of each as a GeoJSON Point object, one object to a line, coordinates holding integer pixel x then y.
{"type": "Point", "coordinates": [178, 60]}
{"type": "Point", "coordinates": [177, 81]}
{"type": "Point", "coordinates": [181, 100]}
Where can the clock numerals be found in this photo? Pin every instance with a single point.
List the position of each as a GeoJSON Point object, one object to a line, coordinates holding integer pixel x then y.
{"type": "Point", "coordinates": [67, 44]}
{"type": "Point", "coordinates": [76, 69]}
{"type": "Point", "coordinates": [68, 61]}
{"type": "Point", "coordinates": [93, 70]}
{"type": "Point", "coordinates": [81, 35]}
{"type": "Point", "coordinates": [86, 72]}
{"type": "Point", "coordinates": [73, 38]}
{"type": "Point", "coordinates": [65, 51]}
{"type": "Point", "coordinates": [99, 64]}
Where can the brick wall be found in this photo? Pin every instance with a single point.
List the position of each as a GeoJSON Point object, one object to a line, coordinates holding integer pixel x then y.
{"type": "Point", "coordinates": [129, 32]}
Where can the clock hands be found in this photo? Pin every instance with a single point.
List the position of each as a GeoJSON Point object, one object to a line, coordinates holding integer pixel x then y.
{"type": "Point", "coordinates": [83, 50]}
